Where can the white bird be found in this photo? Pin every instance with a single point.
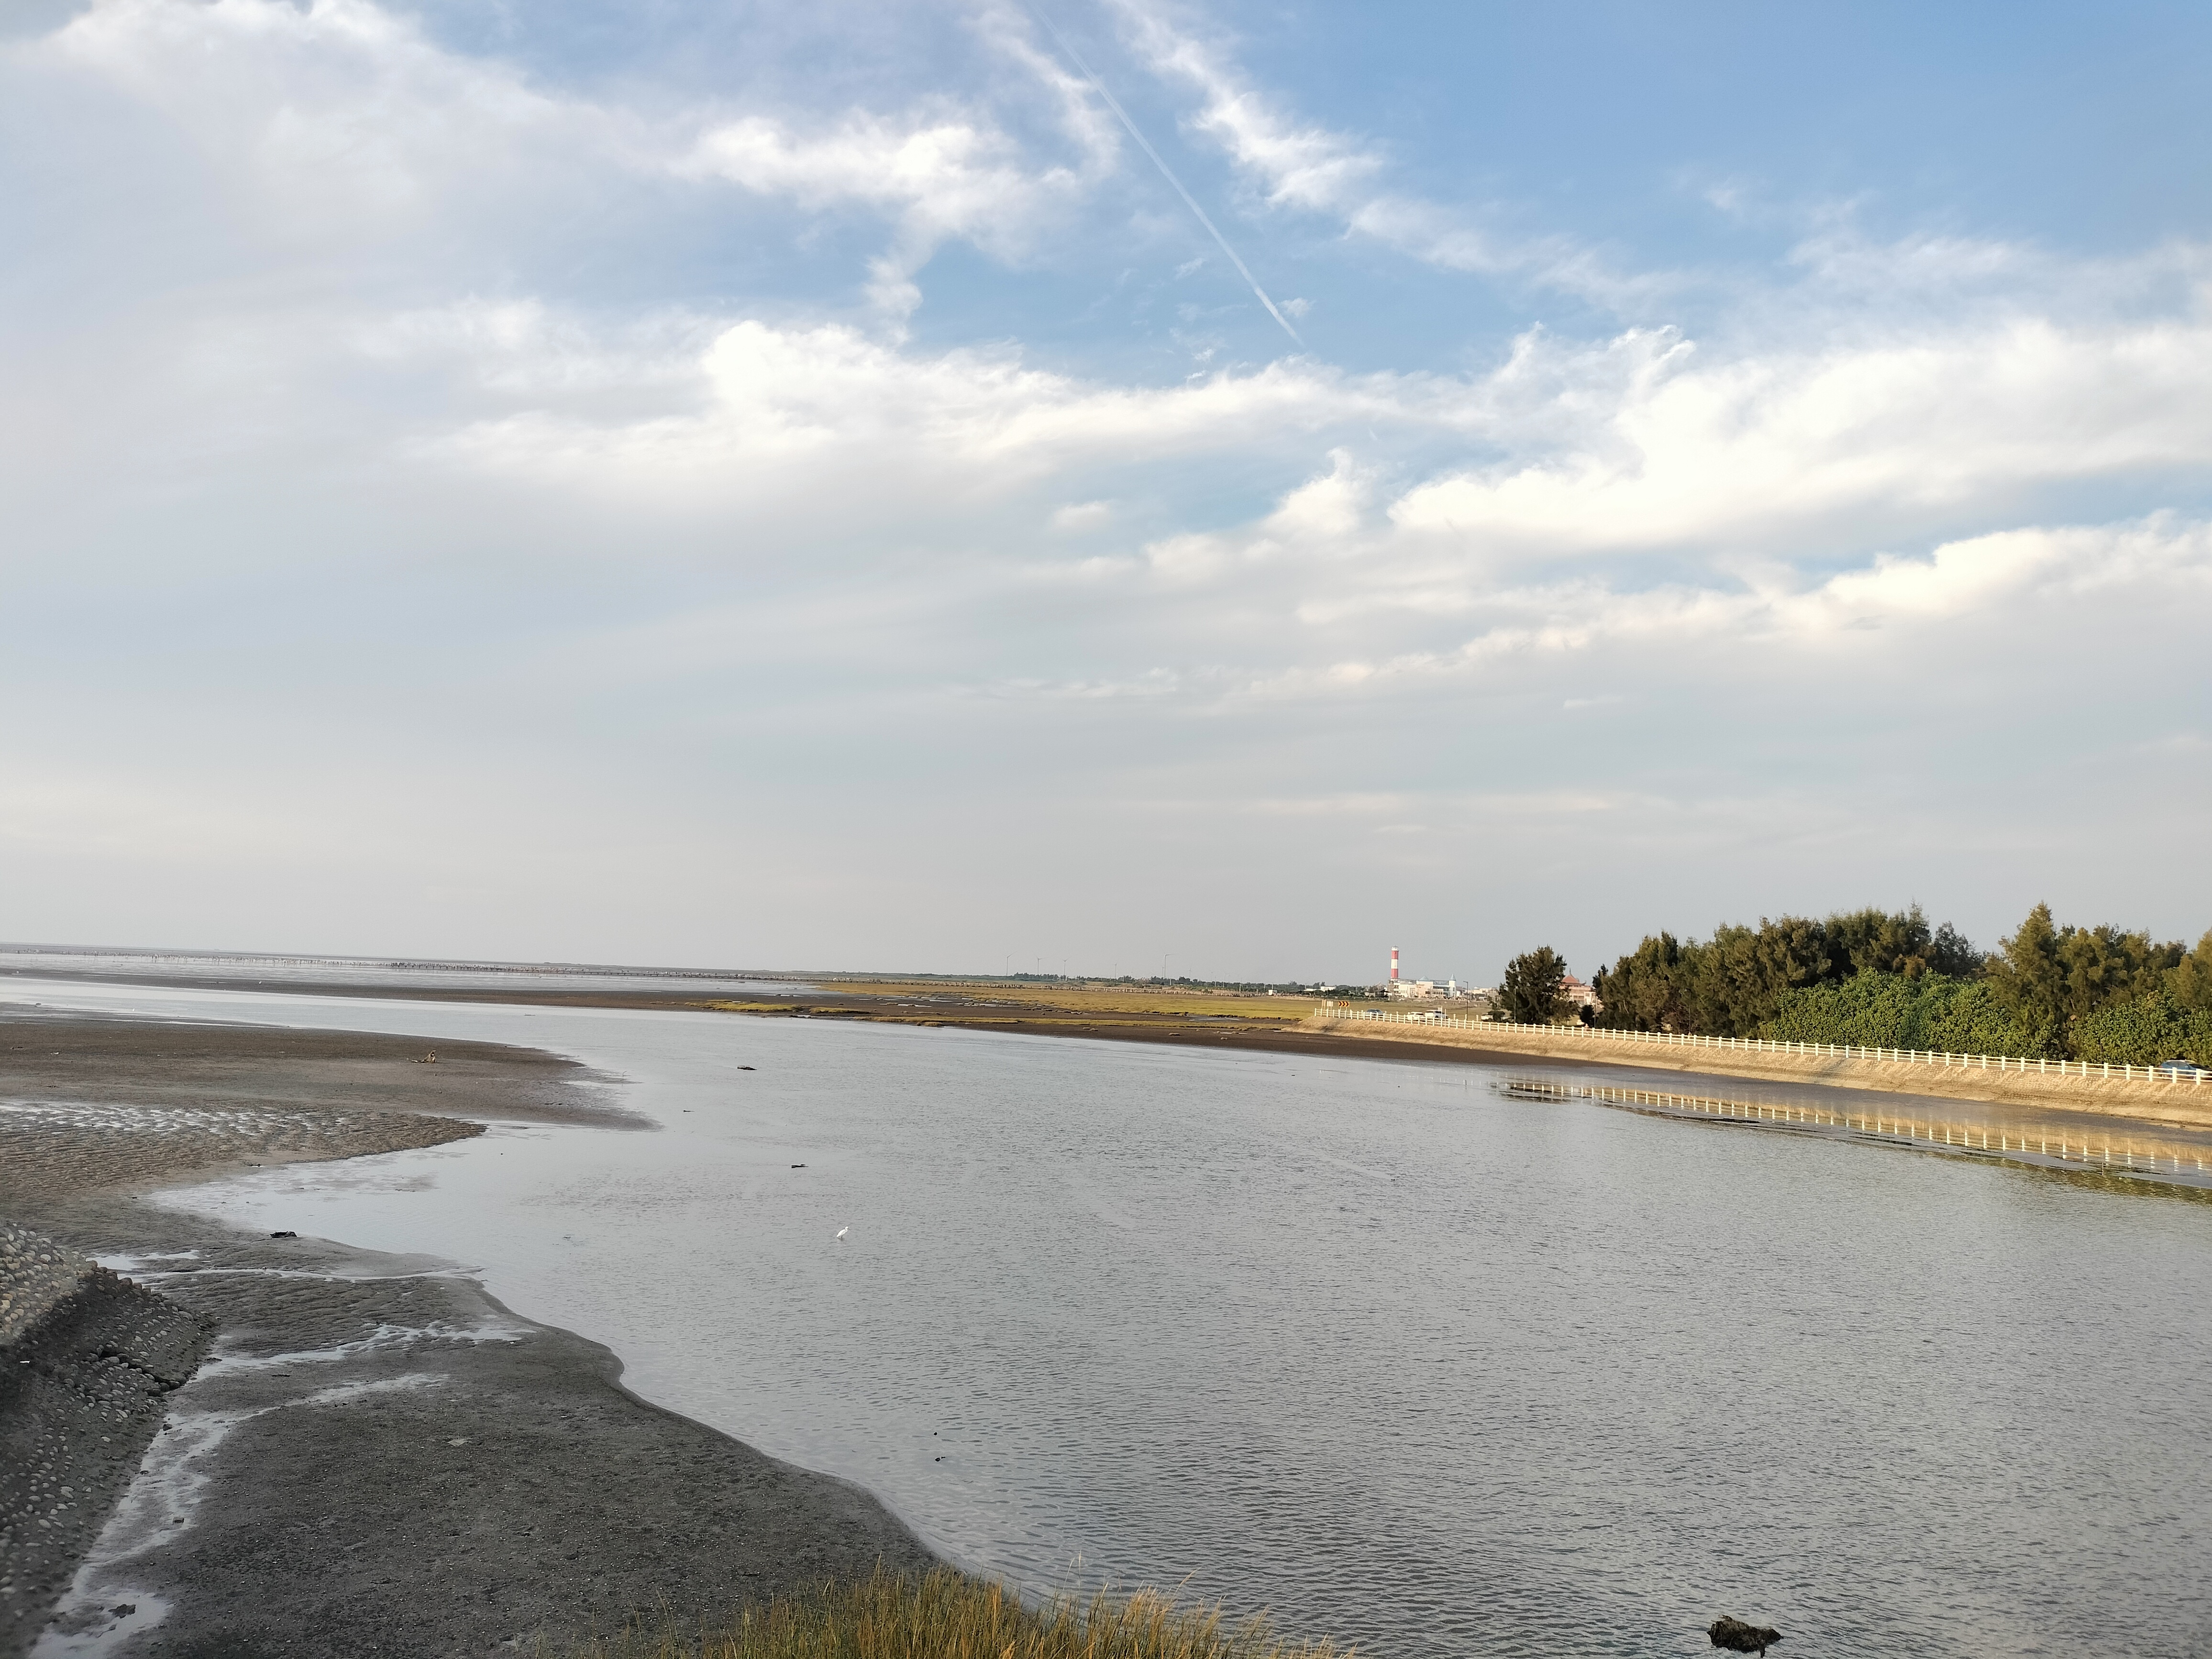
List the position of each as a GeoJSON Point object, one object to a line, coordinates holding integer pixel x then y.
{"type": "Point", "coordinates": [841, 1232]}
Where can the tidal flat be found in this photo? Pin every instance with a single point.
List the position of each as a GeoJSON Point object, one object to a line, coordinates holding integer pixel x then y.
{"type": "Point", "coordinates": [372, 1454]}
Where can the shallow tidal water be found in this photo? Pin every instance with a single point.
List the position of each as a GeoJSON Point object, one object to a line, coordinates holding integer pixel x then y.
{"type": "Point", "coordinates": [1395, 1350]}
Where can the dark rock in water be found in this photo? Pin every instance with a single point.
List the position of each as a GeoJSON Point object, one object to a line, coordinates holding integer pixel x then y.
{"type": "Point", "coordinates": [1739, 1637]}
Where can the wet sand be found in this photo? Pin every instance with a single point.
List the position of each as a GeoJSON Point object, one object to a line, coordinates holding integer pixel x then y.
{"type": "Point", "coordinates": [376, 1456]}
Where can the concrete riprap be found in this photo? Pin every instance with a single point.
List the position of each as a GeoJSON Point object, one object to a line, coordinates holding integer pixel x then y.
{"type": "Point", "coordinates": [86, 1360]}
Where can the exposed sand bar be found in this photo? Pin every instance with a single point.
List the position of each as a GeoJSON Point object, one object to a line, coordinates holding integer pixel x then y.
{"type": "Point", "coordinates": [2181, 1103]}
{"type": "Point", "coordinates": [376, 1457]}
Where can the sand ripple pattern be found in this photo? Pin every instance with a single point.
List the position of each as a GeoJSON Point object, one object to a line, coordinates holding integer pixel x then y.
{"type": "Point", "coordinates": [124, 1146]}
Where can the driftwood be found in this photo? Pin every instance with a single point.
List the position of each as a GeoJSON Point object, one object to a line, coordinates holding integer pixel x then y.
{"type": "Point", "coordinates": [1739, 1637]}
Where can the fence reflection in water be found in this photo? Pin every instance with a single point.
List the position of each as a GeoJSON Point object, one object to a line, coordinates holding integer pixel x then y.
{"type": "Point", "coordinates": [2031, 1141]}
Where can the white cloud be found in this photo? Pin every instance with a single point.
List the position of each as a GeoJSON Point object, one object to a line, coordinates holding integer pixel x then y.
{"type": "Point", "coordinates": [527, 349]}
{"type": "Point", "coordinates": [339, 112]}
{"type": "Point", "coordinates": [1750, 452]}
{"type": "Point", "coordinates": [1301, 166]}
{"type": "Point", "coordinates": [1312, 168]}
{"type": "Point", "coordinates": [954, 176]}
{"type": "Point", "coordinates": [1739, 482]}
{"type": "Point", "coordinates": [832, 393]}
{"type": "Point", "coordinates": [1995, 582]}
{"type": "Point", "coordinates": [941, 177]}
{"type": "Point", "coordinates": [340, 123]}
{"type": "Point", "coordinates": [1079, 516]}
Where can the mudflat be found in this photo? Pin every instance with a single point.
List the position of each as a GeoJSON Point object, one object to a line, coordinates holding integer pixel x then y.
{"type": "Point", "coordinates": [374, 1456]}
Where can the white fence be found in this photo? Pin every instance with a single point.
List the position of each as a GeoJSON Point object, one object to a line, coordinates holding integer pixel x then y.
{"type": "Point", "coordinates": [2194, 1076]}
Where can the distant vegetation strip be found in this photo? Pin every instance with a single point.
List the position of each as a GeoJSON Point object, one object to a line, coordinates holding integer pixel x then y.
{"type": "Point", "coordinates": [1561, 1039]}
{"type": "Point", "coordinates": [1875, 979]}
{"type": "Point", "coordinates": [950, 1615]}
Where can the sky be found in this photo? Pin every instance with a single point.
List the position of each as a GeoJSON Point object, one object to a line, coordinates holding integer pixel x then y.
{"type": "Point", "coordinates": [1102, 486]}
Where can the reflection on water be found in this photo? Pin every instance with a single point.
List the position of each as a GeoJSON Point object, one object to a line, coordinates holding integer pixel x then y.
{"type": "Point", "coordinates": [2066, 1142]}
{"type": "Point", "coordinates": [1410, 1359]}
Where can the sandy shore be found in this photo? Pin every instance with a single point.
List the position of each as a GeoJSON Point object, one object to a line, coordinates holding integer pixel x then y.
{"type": "Point", "coordinates": [374, 1456]}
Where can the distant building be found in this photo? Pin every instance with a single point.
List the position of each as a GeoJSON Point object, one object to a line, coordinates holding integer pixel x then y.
{"type": "Point", "coordinates": [1573, 990]}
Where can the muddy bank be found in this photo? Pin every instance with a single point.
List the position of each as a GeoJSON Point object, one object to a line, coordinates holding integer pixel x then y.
{"type": "Point", "coordinates": [378, 1458]}
{"type": "Point", "coordinates": [374, 1456]}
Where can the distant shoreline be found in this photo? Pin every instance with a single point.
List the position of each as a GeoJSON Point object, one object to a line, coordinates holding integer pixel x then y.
{"type": "Point", "coordinates": [1144, 1013]}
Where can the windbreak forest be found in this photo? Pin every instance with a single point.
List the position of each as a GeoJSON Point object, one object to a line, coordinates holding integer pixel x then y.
{"type": "Point", "coordinates": [1888, 980]}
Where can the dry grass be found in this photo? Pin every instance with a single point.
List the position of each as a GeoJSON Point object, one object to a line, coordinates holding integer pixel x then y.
{"type": "Point", "coordinates": [949, 1615]}
{"type": "Point", "coordinates": [1083, 997]}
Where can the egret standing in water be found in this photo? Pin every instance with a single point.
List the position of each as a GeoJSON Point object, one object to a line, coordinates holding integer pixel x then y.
{"type": "Point", "coordinates": [841, 1232]}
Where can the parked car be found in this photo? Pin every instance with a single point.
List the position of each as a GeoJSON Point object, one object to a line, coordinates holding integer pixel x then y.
{"type": "Point", "coordinates": [2180, 1067]}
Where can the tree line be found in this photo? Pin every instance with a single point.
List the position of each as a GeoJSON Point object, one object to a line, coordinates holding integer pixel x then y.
{"type": "Point", "coordinates": [1887, 979]}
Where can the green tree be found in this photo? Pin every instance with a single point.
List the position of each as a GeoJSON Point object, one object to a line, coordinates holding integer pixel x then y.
{"type": "Point", "coordinates": [1735, 983]}
{"type": "Point", "coordinates": [1872, 941]}
{"type": "Point", "coordinates": [2026, 975]}
{"type": "Point", "coordinates": [2052, 977]}
{"type": "Point", "coordinates": [2189, 981]}
{"type": "Point", "coordinates": [1897, 1011]}
{"type": "Point", "coordinates": [1881, 942]}
{"type": "Point", "coordinates": [1530, 989]}
{"type": "Point", "coordinates": [1640, 991]}
{"type": "Point", "coordinates": [2103, 965]}
{"type": "Point", "coordinates": [1870, 1010]}
{"type": "Point", "coordinates": [2143, 1031]}
{"type": "Point", "coordinates": [1953, 955]}
{"type": "Point", "coordinates": [1977, 1022]}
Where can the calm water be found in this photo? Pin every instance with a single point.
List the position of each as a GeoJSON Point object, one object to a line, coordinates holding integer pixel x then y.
{"type": "Point", "coordinates": [1408, 1358]}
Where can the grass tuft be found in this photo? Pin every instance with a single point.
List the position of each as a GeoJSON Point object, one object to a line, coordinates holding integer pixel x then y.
{"type": "Point", "coordinates": [945, 1614]}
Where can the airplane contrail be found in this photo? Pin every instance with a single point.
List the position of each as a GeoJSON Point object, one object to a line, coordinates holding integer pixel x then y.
{"type": "Point", "coordinates": [1168, 173]}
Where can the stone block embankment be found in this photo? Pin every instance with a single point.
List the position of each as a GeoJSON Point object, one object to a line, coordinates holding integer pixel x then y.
{"type": "Point", "coordinates": [86, 1359]}
{"type": "Point", "coordinates": [2184, 1104]}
